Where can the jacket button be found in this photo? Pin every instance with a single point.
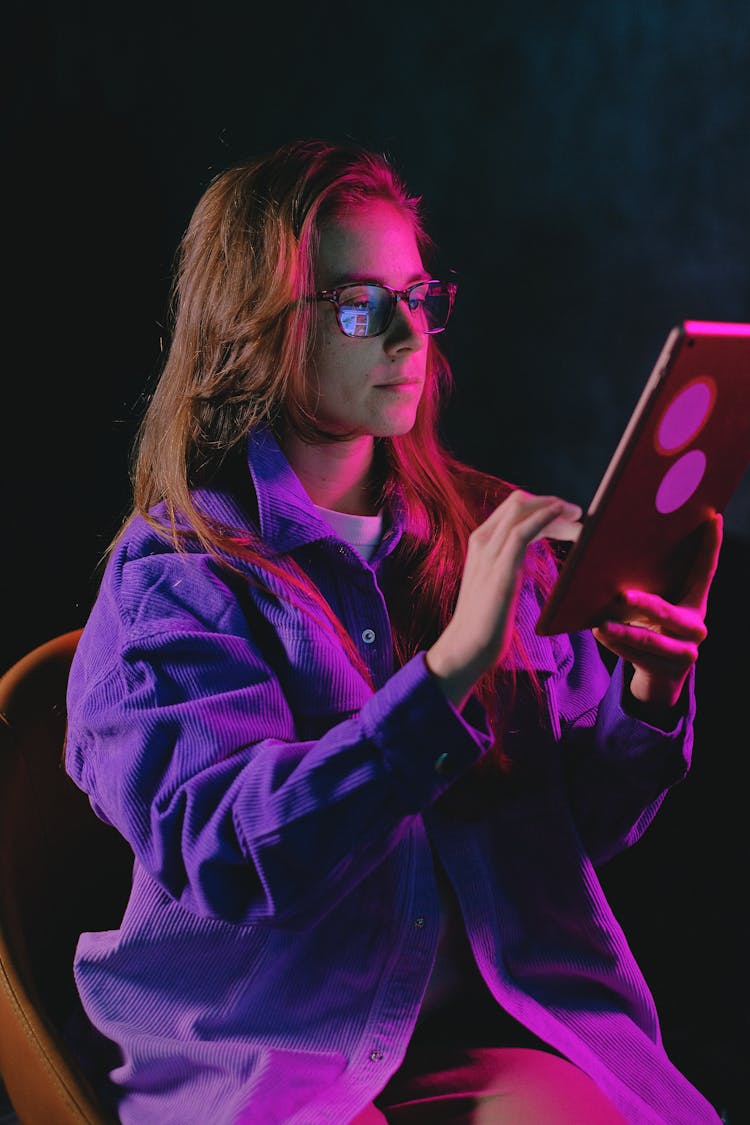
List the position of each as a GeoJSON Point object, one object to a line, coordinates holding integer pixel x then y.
{"type": "Point", "coordinates": [442, 764]}
{"type": "Point", "coordinates": [375, 1055]}
{"type": "Point", "coordinates": [368, 636]}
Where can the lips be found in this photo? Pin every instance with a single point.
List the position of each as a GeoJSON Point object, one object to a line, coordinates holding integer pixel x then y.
{"type": "Point", "coordinates": [394, 384]}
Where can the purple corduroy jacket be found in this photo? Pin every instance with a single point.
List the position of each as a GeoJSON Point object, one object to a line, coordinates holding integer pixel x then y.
{"type": "Point", "coordinates": [284, 914]}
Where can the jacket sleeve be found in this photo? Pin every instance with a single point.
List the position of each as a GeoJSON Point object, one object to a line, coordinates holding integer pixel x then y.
{"type": "Point", "coordinates": [180, 733]}
{"type": "Point", "coordinates": [618, 768]}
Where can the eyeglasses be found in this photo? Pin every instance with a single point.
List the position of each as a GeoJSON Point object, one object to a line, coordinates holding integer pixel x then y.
{"type": "Point", "coordinates": [367, 308]}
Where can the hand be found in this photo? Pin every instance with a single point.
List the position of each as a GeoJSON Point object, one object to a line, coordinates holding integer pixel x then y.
{"type": "Point", "coordinates": [658, 638]}
{"type": "Point", "coordinates": [479, 633]}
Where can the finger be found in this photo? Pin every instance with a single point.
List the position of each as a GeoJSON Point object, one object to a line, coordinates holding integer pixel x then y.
{"type": "Point", "coordinates": [644, 648]}
{"type": "Point", "coordinates": [649, 611]}
{"type": "Point", "coordinates": [533, 518]}
{"type": "Point", "coordinates": [532, 522]}
{"type": "Point", "coordinates": [562, 529]}
{"type": "Point", "coordinates": [519, 504]}
{"type": "Point", "coordinates": [638, 639]}
{"type": "Point", "coordinates": [704, 566]}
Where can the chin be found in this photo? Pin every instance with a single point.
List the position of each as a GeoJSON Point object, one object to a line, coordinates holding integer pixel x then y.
{"type": "Point", "coordinates": [394, 428]}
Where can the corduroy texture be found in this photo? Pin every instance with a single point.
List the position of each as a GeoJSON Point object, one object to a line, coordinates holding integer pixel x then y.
{"type": "Point", "coordinates": [284, 918]}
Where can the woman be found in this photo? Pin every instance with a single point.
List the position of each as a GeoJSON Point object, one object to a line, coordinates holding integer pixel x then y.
{"type": "Point", "coordinates": [365, 799]}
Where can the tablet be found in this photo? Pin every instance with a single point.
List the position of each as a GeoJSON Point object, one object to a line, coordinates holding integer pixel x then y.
{"type": "Point", "coordinates": [682, 455]}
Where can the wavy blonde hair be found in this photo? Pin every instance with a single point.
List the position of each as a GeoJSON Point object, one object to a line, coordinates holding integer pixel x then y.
{"type": "Point", "coordinates": [242, 335]}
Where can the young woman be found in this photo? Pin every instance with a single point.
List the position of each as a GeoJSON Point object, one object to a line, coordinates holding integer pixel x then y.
{"type": "Point", "coordinates": [365, 799]}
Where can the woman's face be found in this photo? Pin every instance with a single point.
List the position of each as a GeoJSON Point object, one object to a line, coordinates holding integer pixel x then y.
{"type": "Point", "coordinates": [368, 385]}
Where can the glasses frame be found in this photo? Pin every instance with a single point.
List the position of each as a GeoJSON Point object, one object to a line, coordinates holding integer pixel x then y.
{"type": "Point", "coordinates": [333, 295]}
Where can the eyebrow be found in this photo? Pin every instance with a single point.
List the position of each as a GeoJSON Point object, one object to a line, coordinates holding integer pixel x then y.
{"type": "Point", "coordinates": [368, 279]}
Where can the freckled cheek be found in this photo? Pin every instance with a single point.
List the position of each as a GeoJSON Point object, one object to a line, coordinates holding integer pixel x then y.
{"type": "Point", "coordinates": [344, 361]}
{"type": "Point", "coordinates": [338, 383]}
{"type": "Point", "coordinates": [324, 366]}
{"type": "Point", "coordinates": [333, 354]}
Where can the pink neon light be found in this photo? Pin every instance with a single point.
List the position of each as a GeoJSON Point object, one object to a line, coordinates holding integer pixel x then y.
{"type": "Point", "coordinates": [680, 481]}
{"type": "Point", "coordinates": [685, 415]}
{"type": "Point", "coordinates": [715, 328]}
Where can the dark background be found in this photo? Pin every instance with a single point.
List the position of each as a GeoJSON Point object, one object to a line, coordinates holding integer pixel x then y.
{"type": "Point", "coordinates": [586, 170]}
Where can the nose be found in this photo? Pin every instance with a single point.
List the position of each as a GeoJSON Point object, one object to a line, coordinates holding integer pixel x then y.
{"type": "Point", "coordinates": [403, 333]}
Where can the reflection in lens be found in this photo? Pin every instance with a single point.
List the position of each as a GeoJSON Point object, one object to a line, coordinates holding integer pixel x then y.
{"type": "Point", "coordinates": [355, 321]}
{"type": "Point", "coordinates": [417, 305]}
{"type": "Point", "coordinates": [365, 310]}
{"type": "Point", "coordinates": [437, 306]}
{"type": "Point", "coordinates": [361, 310]}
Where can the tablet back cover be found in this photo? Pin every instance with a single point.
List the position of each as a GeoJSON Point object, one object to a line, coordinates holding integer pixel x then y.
{"type": "Point", "coordinates": [681, 457]}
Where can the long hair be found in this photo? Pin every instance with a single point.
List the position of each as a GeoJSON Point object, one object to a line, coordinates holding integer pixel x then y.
{"type": "Point", "coordinates": [242, 336]}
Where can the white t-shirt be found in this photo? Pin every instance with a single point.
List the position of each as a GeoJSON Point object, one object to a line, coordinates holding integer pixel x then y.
{"type": "Point", "coordinates": [360, 532]}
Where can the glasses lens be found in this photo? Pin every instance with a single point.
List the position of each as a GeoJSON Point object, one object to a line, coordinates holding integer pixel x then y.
{"type": "Point", "coordinates": [435, 298]}
{"type": "Point", "coordinates": [363, 310]}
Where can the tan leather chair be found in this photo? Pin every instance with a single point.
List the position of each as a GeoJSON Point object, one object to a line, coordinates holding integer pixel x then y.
{"type": "Point", "coordinates": [62, 871]}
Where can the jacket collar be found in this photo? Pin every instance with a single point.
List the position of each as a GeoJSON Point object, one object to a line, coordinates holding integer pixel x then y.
{"type": "Point", "coordinates": [286, 514]}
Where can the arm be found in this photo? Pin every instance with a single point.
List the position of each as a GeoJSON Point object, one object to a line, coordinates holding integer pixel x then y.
{"type": "Point", "coordinates": [617, 766]}
{"type": "Point", "coordinates": [625, 743]}
{"type": "Point", "coordinates": [659, 639]}
{"type": "Point", "coordinates": [180, 732]}
{"type": "Point", "coordinates": [642, 740]}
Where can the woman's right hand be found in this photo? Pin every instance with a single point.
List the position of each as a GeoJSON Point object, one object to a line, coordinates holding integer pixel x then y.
{"type": "Point", "coordinates": [479, 633]}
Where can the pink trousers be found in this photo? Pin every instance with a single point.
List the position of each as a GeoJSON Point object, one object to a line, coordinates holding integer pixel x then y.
{"type": "Point", "coordinates": [448, 1085]}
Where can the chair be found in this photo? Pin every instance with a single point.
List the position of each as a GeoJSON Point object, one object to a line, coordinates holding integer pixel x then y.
{"type": "Point", "coordinates": [62, 871]}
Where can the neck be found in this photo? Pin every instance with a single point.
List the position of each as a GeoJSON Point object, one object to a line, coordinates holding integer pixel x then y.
{"type": "Point", "coordinates": [337, 475]}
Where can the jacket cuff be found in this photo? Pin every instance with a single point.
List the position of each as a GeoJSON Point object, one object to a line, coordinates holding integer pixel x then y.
{"type": "Point", "coordinates": [425, 742]}
{"type": "Point", "coordinates": [675, 738]}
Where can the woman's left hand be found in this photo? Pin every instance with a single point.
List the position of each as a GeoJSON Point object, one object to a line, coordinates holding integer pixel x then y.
{"type": "Point", "coordinates": [658, 638]}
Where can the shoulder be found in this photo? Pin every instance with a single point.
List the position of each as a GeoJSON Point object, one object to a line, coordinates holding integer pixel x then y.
{"type": "Point", "coordinates": [151, 581]}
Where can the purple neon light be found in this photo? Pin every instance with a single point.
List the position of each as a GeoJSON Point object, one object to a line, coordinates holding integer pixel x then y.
{"type": "Point", "coordinates": [685, 415]}
{"type": "Point", "coordinates": [715, 328]}
{"type": "Point", "coordinates": [680, 481]}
